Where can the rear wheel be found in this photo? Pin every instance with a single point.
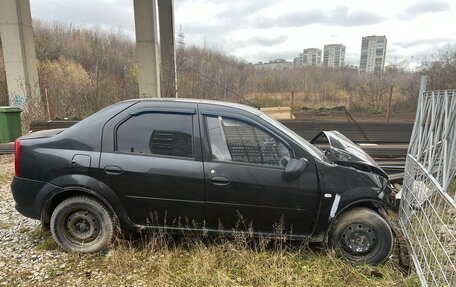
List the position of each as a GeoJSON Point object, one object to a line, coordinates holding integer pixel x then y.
{"type": "Point", "coordinates": [361, 235]}
{"type": "Point", "coordinates": [82, 224]}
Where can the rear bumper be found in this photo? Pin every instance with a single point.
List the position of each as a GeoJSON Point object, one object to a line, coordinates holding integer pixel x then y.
{"type": "Point", "coordinates": [29, 196]}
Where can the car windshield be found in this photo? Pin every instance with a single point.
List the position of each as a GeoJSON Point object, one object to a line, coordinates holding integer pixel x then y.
{"type": "Point", "coordinates": [305, 144]}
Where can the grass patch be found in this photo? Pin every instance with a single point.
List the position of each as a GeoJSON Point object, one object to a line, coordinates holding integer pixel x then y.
{"type": "Point", "coordinates": [269, 100]}
{"type": "Point", "coordinates": [47, 244]}
{"type": "Point", "coordinates": [52, 273]}
{"type": "Point", "coordinates": [39, 233]}
{"type": "Point", "coordinates": [45, 238]}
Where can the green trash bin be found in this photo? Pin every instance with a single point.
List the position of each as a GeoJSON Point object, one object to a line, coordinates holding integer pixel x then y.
{"type": "Point", "coordinates": [10, 124]}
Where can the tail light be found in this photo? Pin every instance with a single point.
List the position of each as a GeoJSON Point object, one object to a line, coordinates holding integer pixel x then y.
{"type": "Point", "coordinates": [17, 153]}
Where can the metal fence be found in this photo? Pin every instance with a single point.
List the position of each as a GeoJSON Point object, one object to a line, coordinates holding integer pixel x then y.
{"type": "Point", "coordinates": [428, 205]}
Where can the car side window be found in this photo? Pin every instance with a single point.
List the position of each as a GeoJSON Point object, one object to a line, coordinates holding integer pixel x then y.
{"type": "Point", "coordinates": [238, 141]}
{"type": "Point", "coordinates": [156, 133]}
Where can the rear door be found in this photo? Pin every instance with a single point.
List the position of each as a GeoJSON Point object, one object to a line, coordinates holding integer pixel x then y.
{"type": "Point", "coordinates": [243, 164]}
{"type": "Point", "coordinates": [152, 159]}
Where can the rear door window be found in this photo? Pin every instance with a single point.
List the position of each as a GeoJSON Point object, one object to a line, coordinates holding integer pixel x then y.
{"type": "Point", "coordinates": [156, 134]}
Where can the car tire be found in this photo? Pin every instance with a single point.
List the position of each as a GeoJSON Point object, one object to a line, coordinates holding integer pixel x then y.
{"type": "Point", "coordinates": [82, 224]}
{"type": "Point", "coordinates": [361, 236]}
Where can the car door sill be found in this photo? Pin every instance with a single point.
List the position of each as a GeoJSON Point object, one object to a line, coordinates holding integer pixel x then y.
{"type": "Point", "coordinates": [209, 231]}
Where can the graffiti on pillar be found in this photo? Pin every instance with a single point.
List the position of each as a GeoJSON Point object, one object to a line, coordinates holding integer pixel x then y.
{"type": "Point", "coordinates": [17, 101]}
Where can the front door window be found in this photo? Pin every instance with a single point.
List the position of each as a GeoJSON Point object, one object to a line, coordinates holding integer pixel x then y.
{"type": "Point", "coordinates": [238, 141]}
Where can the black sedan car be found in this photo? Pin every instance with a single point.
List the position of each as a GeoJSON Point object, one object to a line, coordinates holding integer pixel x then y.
{"type": "Point", "coordinates": [191, 165]}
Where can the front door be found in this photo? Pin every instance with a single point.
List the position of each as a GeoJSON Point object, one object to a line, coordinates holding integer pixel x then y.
{"type": "Point", "coordinates": [244, 186]}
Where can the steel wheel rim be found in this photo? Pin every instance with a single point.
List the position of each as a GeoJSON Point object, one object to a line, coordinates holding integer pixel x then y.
{"type": "Point", "coordinates": [81, 227]}
{"type": "Point", "coordinates": [358, 239]}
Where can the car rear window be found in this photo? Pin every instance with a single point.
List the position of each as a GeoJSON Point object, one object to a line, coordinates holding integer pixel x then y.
{"type": "Point", "coordinates": [156, 134]}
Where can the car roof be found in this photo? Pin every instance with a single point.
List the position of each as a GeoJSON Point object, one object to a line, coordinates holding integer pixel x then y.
{"type": "Point", "coordinates": [250, 109]}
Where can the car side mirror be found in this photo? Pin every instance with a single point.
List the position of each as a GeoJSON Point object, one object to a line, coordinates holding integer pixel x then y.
{"type": "Point", "coordinates": [294, 169]}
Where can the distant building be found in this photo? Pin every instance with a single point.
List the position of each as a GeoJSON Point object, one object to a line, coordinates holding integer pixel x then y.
{"type": "Point", "coordinates": [308, 57]}
{"type": "Point", "coordinates": [351, 67]}
{"type": "Point", "coordinates": [275, 65]}
{"type": "Point", "coordinates": [373, 54]}
{"type": "Point", "coordinates": [297, 62]}
{"type": "Point", "coordinates": [334, 56]}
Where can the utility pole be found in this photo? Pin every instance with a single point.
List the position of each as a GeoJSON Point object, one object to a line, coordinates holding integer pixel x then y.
{"type": "Point", "coordinates": [389, 104]}
{"type": "Point", "coordinates": [291, 104]}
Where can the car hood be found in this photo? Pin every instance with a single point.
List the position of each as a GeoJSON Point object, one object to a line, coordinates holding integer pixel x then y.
{"type": "Point", "coordinates": [345, 152]}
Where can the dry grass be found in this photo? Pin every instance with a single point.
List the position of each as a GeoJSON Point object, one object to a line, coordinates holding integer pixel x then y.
{"type": "Point", "coordinates": [162, 261]}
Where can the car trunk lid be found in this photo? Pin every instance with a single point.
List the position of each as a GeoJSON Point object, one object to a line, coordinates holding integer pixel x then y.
{"type": "Point", "coordinates": [41, 134]}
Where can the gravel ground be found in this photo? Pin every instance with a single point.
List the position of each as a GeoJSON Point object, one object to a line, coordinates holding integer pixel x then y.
{"type": "Point", "coordinates": [28, 255]}
{"type": "Point", "coordinates": [21, 258]}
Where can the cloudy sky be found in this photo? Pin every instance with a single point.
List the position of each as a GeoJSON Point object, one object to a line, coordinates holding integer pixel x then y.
{"type": "Point", "coordinates": [260, 30]}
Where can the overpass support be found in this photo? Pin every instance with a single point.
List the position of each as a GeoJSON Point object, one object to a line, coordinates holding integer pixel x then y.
{"type": "Point", "coordinates": [18, 45]}
{"type": "Point", "coordinates": [168, 54]}
{"type": "Point", "coordinates": [147, 48]}
{"type": "Point", "coordinates": [155, 49]}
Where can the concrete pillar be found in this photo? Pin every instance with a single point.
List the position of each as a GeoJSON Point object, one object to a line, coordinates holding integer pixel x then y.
{"type": "Point", "coordinates": [167, 48]}
{"type": "Point", "coordinates": [147, 48]}
{"type": "Point", "coordinates": [16, 33]}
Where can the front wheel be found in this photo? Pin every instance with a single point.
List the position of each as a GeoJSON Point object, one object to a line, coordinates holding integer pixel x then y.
{"type": "Point", "coordinates": [361, 236]}
{"type": "Point", "coordinates": [82, 224]}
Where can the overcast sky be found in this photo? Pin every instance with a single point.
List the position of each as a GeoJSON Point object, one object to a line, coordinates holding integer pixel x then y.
{"type": "Point", "coordinates": [261, 30]}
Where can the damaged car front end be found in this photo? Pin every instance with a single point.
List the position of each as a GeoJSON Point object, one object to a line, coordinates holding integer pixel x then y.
{"type": "Point", "coordinates": [354, 185]}
{"type": "Point", "coordinates": [356, 168]}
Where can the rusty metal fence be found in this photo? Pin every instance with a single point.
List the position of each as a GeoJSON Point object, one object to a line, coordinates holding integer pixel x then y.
{"type": "Point", "coordinates": [428, 204]}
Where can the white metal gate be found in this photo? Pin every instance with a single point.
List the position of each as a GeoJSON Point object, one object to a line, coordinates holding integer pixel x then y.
{"type": "Point", "coordinates": [428, 205]}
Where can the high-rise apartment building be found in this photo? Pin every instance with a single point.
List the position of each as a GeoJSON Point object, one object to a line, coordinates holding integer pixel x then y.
{"type": "Point", "coordinates": [309, 57]}
{"type": "Point", "coordinates": [373, 54]}
{"type": "Point", "coordinates": [334, 55]}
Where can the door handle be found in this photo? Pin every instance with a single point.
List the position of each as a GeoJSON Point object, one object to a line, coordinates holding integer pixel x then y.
{"type": "Point", "coordinates": [220, 180]}
{"type": "Point", "coordinates": [113, 170]}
